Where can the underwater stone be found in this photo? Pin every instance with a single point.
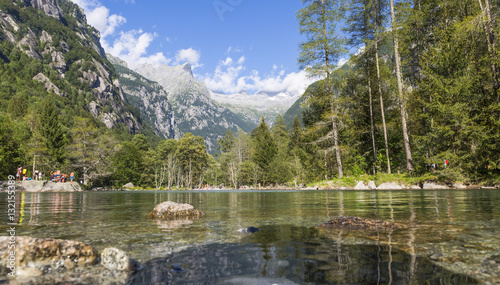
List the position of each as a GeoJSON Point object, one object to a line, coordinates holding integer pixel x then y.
{"type": "Point", "coordinates": [357, 223]}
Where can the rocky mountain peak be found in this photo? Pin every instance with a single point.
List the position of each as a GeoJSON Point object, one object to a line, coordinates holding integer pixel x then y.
{"type": "Point", "coordinates": [187, 67]}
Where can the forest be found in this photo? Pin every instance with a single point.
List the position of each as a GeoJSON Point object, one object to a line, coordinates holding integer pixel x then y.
{"type": "Point", "coordinates": [421, 87]}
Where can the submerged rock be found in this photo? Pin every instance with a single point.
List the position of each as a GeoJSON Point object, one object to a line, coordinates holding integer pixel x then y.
{"type": "Point", "coordinates": [171, 210]}
{"type": "Point", "coordinates": [249, 230]}
{"type": "Point", "coordinates": [116, 259]}
{"type": "Point", "coordinates": [357, 223]}
{"type": "Point", "coordinates": [46, 253]}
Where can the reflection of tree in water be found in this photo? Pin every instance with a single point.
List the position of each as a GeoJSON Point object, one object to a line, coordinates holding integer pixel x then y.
{"type": "Point", "coordinates": [287, 254]}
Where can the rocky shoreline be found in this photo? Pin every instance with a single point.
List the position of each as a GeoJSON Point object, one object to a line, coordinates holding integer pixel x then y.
{"type": "Point", "coordinates": [48, 186]}
{"type": "Point", "coordinates": [43, 186]}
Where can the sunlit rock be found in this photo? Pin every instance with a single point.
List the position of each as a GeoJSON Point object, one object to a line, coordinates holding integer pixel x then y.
{"type": "Point", "coordinates": [389, 186]}
{"type": "Point", "coordinates": [171, 210]}
{"type": "Point", "coordinates": [432, 185]}
{"type": "Point", "coordinates": [43, 253]}
{"type": "Point", "coordinates": [117, 260]}
{"type": "Point", "coordinates": [361, 186]}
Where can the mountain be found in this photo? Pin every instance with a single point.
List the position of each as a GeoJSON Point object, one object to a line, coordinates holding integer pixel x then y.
{"type": "Point", "coordinates": [148, 97]}
{"type": "Point", "coordinates": [48, 45]}
{"type": "Point", "coordinates": [253, 107]}
{"type": "Point", "coordinates": [294, 110]}
{"type": "Point", "coordinates": [194, 109]}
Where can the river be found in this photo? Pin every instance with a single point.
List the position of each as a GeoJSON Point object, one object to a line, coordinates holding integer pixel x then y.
{"type": "Point", "coordinates": [454, 235]}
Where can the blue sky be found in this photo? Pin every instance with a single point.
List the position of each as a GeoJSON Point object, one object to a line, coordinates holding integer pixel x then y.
{"type": "Point", "coordinates": [232, 45]}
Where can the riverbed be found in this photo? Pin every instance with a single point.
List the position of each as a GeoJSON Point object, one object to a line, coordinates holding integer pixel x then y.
{"type": "Point", "coordinates": [453, 235]}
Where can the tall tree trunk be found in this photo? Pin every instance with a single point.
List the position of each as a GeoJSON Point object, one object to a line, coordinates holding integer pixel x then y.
{"type": "Point", "coordinates": [402, 101]}
{"type": "Point", "coordinates": [374, 147]}
{"type": "Point", "coordinates": [380, 93]}
{"type": "Point", "coordinates": [330, 92]}
{"type": "Point", "coordinates": [336, 141]}
{"type": "Point", "coordinates": [491, 41]}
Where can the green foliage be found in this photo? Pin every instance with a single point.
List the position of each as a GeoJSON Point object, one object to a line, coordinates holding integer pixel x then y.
{"type": "Point", "coordinates": [128, 165]}
{"type": "Point", "coordinates": [192, 156]}
{"type": "Point", "coordinates": [52, 131]}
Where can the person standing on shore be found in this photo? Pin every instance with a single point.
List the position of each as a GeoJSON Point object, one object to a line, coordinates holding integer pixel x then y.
{"type": "Point", "coordinates": [71, 177]}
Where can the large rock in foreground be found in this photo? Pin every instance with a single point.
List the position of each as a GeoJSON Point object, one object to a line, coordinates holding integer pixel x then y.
{"type": "Point", "coordinates": [42, 252]}
{"type": "Point", "coordinates": [357, 223]}
{"type": "Point", "coordinates": [171, 210]}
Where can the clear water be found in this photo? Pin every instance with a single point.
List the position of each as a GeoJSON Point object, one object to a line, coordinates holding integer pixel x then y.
{"type": "Point", "coordinates": [454, 237]}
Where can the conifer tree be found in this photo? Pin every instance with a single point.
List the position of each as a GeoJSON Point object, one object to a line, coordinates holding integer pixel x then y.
{"type": "Point", "coordinates": [402, 99]}
{"type": "Point", "coordinates": [265, 148]}
{"type": "Point", "coordinates": [51, 130]}
{"type": "Point", "coordinates": [324, 45]}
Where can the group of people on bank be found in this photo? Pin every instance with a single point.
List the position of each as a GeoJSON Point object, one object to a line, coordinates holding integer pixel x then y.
{"type": "Point", "coordinates": [22, 174]}
{"type": "Point", "coordinates": [55, 176]}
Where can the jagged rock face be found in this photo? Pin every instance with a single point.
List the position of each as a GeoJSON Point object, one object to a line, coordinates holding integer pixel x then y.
{"type": "Point", "coordinates": [52, 45]}
{"type": "Point", "coordinates": [195, 111]}
{"type": "Point", "coordinates": [149, 97]}
{"type": "Point", "coordinates": [49, 7]}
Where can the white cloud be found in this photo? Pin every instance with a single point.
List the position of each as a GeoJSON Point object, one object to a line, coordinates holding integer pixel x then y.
{"type": "Point", "coordinates": [188, 55]}
{"type": "Point", "coordinates": [228, 78]}
{"type": "Point", "coordinates": [130, 46]}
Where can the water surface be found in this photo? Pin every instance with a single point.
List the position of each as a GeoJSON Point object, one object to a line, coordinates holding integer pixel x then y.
{"type": "Point", "coordinates": [453, 237]}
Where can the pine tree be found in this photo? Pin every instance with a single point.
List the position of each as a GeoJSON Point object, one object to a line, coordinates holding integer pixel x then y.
{"type": "Point", "coordinates": [402, 99]}
{"type": "Point", "coordinates": [265, 148]}
{"type": "Point", "coordinates": [51, 130]}
{"type": "Point", "coordinates": [324, 45]}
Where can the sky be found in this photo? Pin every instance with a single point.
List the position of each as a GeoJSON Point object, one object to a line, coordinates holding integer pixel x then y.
{"type": "Point", "coordinates": [232, 45]}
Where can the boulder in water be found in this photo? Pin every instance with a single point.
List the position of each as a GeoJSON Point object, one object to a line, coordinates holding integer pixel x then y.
{"type": "Point", "coordinates": [171, 210]}
{"type": "Point", "coordinates": [117, 260]}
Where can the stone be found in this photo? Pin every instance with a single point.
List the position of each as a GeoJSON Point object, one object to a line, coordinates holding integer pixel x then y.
{"type": "Point", "coordinates": [459, 186]}
{"type": "Point", "coordinates": [171, 210]}
{"type": "Point", "coordinates": [128, 185]}
{"type": "Point", "coordinates": [432, 185]}
{"type": "Point", "coordinates": [47, 186]}
{"type": "Point", "coordinates": [41, 253]}
{"type": "Point", "coordinates": [389, 186]}
{"type": "Point", "coordinates": [49, 86]}
{"type": "Point", "coordinates": [115, 259]}
{"type": "Point", "coordinates": [357, 223]}
{"type": "Point", "coordinates": [371, 185]}
{"type": "Point", "coordinates": [249, 230]}
{"type": "Point", "coordinates": [361, 186]}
